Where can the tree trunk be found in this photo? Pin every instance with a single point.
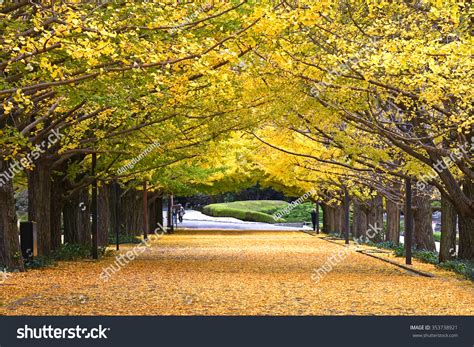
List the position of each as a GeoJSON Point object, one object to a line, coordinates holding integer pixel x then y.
{"type": "Point", "coordinates": [159, 211]}
{"type": "Point", "coordinates": [155, 212]}
{"type": "Point", "coordinates": [77, 222]}
{"type": "Point", "coordinates": [325, 218]}
{"type": "Point", "coordinates": [10, 253]}
{"type": "Point", "coordinates": [375, 218]}
{"type": "Point", "coordinates": [328, 226]}
{"type": "Point", "coordinates": [57, 202]}
{"type": "Point", "coordinates": [357, 212]}
{"type": "Point", "coordinates": [346, 215]}
{"type": "Point", "coordinates": [466, 238]}
{"type": "Point", "coordinates": [339, 219]}
{"type": "Point", "coordinates": [356, 215]}
{"type": "Point", "coordinates": [466, 227]}
{"type": "Point", "coordinates": [132, 203]}
{"type": "Point", "coordinates": [115, 207]}
{"type": "Point", "coordinates": [393, 222]}
{"type": "Point", "coordinates": [331, 219]}
{"type": "Point", "coordinates": [447, 249]}
{"type": "Point", "coordinates": [359, 220]}
{"type": "Point", "coordinates": [152, 214]}
{"type": "Point", "coordinates": [104, 216]}
{"type": "Point", "coordinates": [39, 203]}
{"type": "Point", "coordinates": [422, 218]}
{"type": "Point", "coordinates": [363, 222]}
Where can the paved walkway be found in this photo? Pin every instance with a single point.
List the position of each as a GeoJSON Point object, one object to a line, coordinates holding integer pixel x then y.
{"type": "Point", "coordinates": [231, 272]}
{"type": "Point", "coordinates": [197, 220]}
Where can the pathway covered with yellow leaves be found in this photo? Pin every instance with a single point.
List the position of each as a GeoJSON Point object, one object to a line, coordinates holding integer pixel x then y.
{"type": "Point", "coordinates": [236, 273]}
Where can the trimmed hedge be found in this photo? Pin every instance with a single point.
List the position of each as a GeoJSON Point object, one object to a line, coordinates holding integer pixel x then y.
{"type": "Point", "coordinates": [217, 210]}
{"type": "Point", "coordinates": [262, 211]}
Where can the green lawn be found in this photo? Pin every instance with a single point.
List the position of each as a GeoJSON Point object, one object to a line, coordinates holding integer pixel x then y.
{"type": "Point", "coordinates": [260, 211]}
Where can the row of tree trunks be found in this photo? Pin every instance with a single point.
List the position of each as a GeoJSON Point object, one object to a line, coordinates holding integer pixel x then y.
{"type": "Point", "coordinates": [461, 193]}
{"type": "Point", "coordinates": [50, 209]}
{"type": "Point", "coordinates": [10, 253]}
{"type": "Point", "coordinates": [369, 216]}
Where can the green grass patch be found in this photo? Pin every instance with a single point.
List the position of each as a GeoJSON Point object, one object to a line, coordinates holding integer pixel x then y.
{"type": "Point", "coordinates": [264, 206]}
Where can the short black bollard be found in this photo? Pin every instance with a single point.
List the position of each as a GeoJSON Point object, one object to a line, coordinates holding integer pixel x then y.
{"type": "Point", "coordinates": [29, 240]}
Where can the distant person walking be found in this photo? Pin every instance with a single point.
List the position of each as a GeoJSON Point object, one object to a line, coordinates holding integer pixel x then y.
{"type": "Point", "coordinates": [181, 213]}
{"type": "Point", "coordinates": [314, 218]}
{"type": "Point", "coordinates": [175, 212]}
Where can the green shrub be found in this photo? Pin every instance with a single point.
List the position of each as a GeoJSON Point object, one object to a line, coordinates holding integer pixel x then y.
{"type": "Point", "coordinates": [427, 256]}
{"type": "Point", "coordinates": [464, 268]}
{"type": "Point", "coordinates": [66, 252]}
{"type": "Point", "coordinates": [302, 213]}
{"type": "Point", "coordinates": [246, 215]}
{"type": "Point", "coordinates": [72, 252]}
{"type": "Point", "coordinates": [39, 262]}
{"type": "Point", "coordinates": [399, 251]}
{"type": "Point", "coordinates": [258, 217]}
{"type": "Point", "coordinates": [385, 244]}
{"type": "Point", "coordinates": [262, 211]}
{"type": "Point", "coordinates": [124, 239]}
